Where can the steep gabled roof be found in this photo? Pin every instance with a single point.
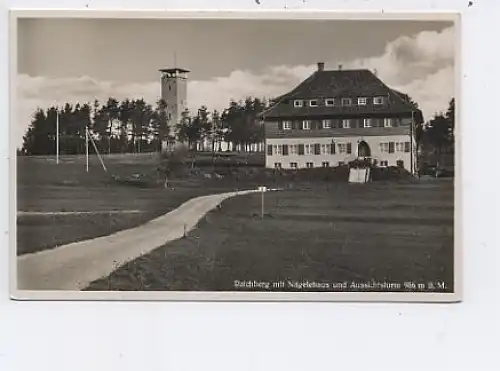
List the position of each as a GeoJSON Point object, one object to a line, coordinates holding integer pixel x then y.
{"type": "Point", "coordinates": [338, 84]}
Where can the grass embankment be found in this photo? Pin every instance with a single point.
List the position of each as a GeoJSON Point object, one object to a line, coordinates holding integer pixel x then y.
{"type": "Point", "coordinates": [131, 183]}
{"type": "Point", "coordinates": [325, 234]}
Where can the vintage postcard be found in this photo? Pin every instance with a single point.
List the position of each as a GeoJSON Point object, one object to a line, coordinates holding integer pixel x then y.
{"type": "Point", "coordinates": [284, 156]}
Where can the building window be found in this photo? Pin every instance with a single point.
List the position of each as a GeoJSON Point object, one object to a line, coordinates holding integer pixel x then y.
{"type": "Point", "coordinates": [346, 124]}
{"type": "Point", "coordinates": [285, 149]}
{"type": "Point", "coordinates": [277, 149]}
{"type": "Point", "coordinates": [400, 163]}
{"type": "Point", "coordinates": [384, 147]}
{"type": "Point", "coordinates": [309, 165]}
{"type": "Point", "coordinates": [384, 163]}
{"type": "Point", "coordinates": [287, 125]}
{"type": "Point", "coordinates": [313, 103]}
{"type": "Point", "coordinates": [341, 163]}
{"type": "Point", "coordinates": [325, 164]}
{"type": "Point", "coordinates": [378, 100]}
{"type": "Point", "coordinates": [346, 101]}
{"type": "Point", "coordinates": [325, 149]}
{"type": "Point", "coordinates": [327, 124]}
{"type": "Point", "coordinates": [407, 146]}
{"type": "Point", "coordinates": [342, 148]}
{"type": "Point", "coordinates": [317, 149]}
{"type": "Point", "coordinates": [306, 125]}
{"type": "Point", "coordinates": [293, 165]}
{"type": "Point", "coordinates": [298, 103]}
{"type": "Point", "coordinates": [269, 150]}
{"type": "Point", "coordinates": [387, 123]}
{"type": "Point", "coordinates": [301, 149]}
{"type": "Point", "coordinates": [362, 101]}
{"type": "Point", "coordinates": [293, 149]}
{"type": "Point", "coordinates": [400, 147]}
{"type": "Point", "coordinates": [329, 102]}
{"type": "Point", "coordinates": [367, 123]}
{"type": "Point", "coordinates": [308, 149]}
{"type": "Point", "coordinates": [277, 165]}
{"type": "Point", "coordinates": [349, 148]}
{"type": "Point", "coordinates": [391, 147]}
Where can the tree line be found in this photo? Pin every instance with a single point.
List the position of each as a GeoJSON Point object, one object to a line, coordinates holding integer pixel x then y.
{"type": "Point", "coordinates": [137, 126]}
{"type": "Point", "coordinates": [437, 135]}
{"type": "Point", "coordinates": [133, 126]}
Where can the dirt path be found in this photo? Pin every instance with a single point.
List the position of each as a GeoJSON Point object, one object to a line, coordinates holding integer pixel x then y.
{"type": "Point", "coordinates": [74, 266]}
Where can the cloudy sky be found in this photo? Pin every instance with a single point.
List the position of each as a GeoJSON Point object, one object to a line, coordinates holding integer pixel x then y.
{"type": "Point", "coordinates": [79, 60]}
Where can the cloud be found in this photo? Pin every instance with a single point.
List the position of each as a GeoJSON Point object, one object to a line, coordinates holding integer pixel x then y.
{"type": "Point", "coordinates": [421, 66]}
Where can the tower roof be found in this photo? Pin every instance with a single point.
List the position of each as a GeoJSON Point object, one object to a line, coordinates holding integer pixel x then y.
{"type": "Point", "coordinates": [172, 70]}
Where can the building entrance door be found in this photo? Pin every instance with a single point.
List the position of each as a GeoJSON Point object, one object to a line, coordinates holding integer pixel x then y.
{"type": "Point", "coordinates": [364, 149]}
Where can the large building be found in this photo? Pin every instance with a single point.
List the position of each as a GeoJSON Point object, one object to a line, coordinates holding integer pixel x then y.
{"type": "Point", "coordinates": [174, 92]}
{"type": "Point", "coordinates": [336, 116]}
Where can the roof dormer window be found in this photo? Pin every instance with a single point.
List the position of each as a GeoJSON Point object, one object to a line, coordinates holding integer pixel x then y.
{"type": "Point", "coordinates": [378, 100]}
{"type": "Point", "coordinates": [313, 103]}
{"type": "Point", "coordinates": [362, 101]}
{"type": "Point", "coordinates": [346, 101]}
{"type": "Point", "coordinates": [298, 103]}
{"type": "Point", "coordinates": [329, 102]}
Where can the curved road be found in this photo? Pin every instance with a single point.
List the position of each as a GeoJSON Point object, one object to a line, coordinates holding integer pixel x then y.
{"type": "Point", "coordinates": [76, 265]}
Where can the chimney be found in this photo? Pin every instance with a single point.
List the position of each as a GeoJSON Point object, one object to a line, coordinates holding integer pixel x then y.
{"type": "Point", "coordinates": [321, 66]}
{"type": "Point", "coordinates": [340, 67]}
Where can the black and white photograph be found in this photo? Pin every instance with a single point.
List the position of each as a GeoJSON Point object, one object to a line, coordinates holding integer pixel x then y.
{"type": "Point", "coordinates": [180, 157]}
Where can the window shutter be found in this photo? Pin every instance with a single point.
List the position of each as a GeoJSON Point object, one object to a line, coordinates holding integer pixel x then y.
{"type": "Point", "coordinates": [332, 148]}
{"type": "Point", "coordinates": [317, 149]}
{"type": "Point", "coordinates": [391, 147]}
{"type": "Point", "coordinates": [285, 150]}
{"type": "Point", "coordinates": [349, 148]}
{"type": "Point", "coordinates": [269, 150]}
{"type": "Point", "coordinates": [301, 149]}
{"type": "Point", "coordinates": [280, 125]}
{"type": "Point", "coordinates": [407, 146]}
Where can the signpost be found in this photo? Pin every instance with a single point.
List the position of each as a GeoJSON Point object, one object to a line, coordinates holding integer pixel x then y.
{"type": "Point", "coordinates": [262, 190]}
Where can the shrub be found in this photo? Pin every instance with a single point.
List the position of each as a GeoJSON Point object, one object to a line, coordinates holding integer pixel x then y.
{"type": "Point", "coordinates": [361, 163]}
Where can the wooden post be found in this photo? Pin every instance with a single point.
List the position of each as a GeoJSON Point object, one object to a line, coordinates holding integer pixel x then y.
{"type": "Point", "coordinates": [262, 190]}
{"type": "Point", "coordinates": [262, 206]}
{"type": "Point", "coordinates": [87, 147]}
{"type": "Point", "coordinates": [57, 135]}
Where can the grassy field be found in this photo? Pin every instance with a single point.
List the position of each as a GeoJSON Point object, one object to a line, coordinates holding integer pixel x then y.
{"type": "Point", "coordinates": [131, 183]}
{"type": "Point", "coordinates": [327, 236]}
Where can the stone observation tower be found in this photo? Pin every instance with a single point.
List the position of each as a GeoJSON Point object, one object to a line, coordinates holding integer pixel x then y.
{"type": "Point", "coordinates": [174, 92]}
